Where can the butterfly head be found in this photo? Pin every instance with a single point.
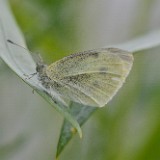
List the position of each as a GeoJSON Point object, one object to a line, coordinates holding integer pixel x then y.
{"type": "Point", "coordinates": [42, 76]}
{"type": "Point", "coordinates": [40, 68]}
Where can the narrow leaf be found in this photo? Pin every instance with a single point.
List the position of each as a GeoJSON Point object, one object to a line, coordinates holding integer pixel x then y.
{"type": "Point", "coordinates": [82, 113]}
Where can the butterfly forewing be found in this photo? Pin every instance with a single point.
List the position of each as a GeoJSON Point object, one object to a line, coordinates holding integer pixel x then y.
{"type": "Point", "coordinates": [92, 77]}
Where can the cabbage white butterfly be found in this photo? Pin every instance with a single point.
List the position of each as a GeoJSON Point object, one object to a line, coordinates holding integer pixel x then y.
{"type": "Point", "coordinates": [91, 77]}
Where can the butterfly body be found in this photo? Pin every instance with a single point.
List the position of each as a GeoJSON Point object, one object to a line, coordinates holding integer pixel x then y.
{"type": "Point", "coordinates": [91, 78]}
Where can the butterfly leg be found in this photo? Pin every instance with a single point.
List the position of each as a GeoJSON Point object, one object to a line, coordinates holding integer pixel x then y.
{"type": "Point", "coordinates": [30, 76]}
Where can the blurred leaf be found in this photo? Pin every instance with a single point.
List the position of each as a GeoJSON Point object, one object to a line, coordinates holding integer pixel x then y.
{"type": "Point", "coordinates": [21, 62]}
{"type": "Point", "coordinates": [148, 41]}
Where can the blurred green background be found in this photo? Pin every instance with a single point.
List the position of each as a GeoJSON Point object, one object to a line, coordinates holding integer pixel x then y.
{"type": "Point", "coordinates": [128, 128]}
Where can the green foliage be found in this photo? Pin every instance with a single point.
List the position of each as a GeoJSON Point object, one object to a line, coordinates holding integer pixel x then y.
{"type": "Point", "coordinates": [52, 20]}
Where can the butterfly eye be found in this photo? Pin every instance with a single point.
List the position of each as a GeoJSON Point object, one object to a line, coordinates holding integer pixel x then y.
{"type": "Point", "coordinates": [40, 67]}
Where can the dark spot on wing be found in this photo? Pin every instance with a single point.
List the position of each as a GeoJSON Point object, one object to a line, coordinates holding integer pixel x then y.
{"type": "Point", "coordinates": [77, 78]}
{"type": "Point", "coordinates": [94, 54]}
{"type": "Point", "coordinates": [83, 55]}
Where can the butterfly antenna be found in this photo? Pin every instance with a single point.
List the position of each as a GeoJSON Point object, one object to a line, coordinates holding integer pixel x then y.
{"type": "Point", "coordinates": [11, 42]}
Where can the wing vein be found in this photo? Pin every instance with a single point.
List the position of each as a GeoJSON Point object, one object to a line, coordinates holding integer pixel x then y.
{"type": "Point", "coordinates": [67, 85]}
{"type": "Point", "coordinates": [103, 72]}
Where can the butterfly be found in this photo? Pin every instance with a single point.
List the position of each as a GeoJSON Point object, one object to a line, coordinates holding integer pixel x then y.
{"type": "Point", "coordinates": [90, 78]}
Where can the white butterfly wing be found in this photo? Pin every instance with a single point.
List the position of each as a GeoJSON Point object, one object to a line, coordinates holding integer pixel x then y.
{"type": "Point", "coordinates": [92, 77]}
